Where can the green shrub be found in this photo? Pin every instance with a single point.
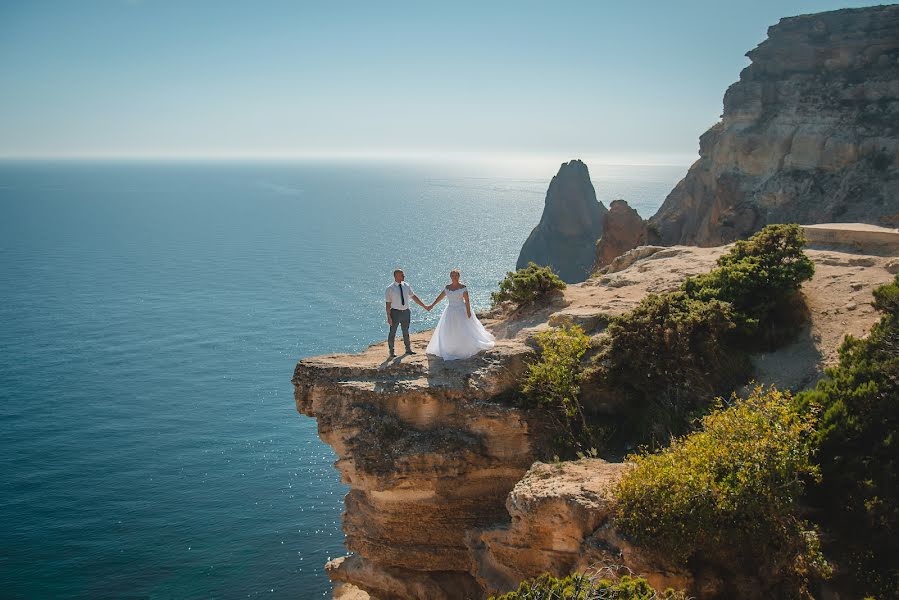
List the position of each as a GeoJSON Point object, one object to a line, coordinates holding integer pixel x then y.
{"type": "Point", "coordinates": [553, 382]}
{"type": "Point", "coordinates": [527, 285]}
{"type": "Point", "coordinates": [729, 494]}
{"type": "Point", "coordinates": [666, 359]}
{"type": "Point", "coordinates": [757, 276]}
{"type": "Point", "coordinates": [859, 451]}
{"type": "Point", "coordinates": [587, 587]}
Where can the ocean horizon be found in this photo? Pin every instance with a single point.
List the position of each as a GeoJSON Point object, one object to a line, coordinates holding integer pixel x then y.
{"type": "Point", "coordinates": [151, 314]}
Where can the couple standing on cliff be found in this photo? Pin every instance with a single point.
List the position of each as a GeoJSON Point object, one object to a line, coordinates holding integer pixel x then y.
{"type": "Point", "coordinates": [459, 334]}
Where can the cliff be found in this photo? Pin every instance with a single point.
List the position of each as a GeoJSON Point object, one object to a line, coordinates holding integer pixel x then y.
{"type": "Point", "coordinates": [569, 227]}
{"type": "Point", "coordinates": [427, 457]}
{"type": "Point", "coordinates": [809, 134]}
{"type": "Point", "coordinates": [446, 499]}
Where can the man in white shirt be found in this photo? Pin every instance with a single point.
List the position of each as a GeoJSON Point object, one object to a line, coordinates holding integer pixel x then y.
{"type": "Point", "coordinates": [397, 296]}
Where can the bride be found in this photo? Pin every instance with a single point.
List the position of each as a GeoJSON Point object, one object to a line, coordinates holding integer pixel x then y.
{"type": "Point", "coordinates": [459, 334]}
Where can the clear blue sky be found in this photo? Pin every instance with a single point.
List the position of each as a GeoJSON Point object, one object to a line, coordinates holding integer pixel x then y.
{"type": "Point", "coordinates": [230, 77]}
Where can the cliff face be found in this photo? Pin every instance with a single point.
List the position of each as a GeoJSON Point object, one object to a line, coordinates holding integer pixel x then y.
{"type": "Point", "coordinates": [571, 223]}
{"type": "Point", "coordinates": [809, 134]}
{"type": "Point", "coordinates": [445, 500]}
{"type": "Point", "coordinates": [427, 458]}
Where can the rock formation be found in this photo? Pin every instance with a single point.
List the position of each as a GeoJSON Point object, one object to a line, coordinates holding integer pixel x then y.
{"type": "Point", "coordinates": [427, 457]}
{"type": "Point", "coordinates": [571, 223]}
{"type": "Point", "coordinates": [622, 230]}
{"type": "Point", "coordinates": [561, 523]}
{"type": "Point", "coordinates": [445, 500]}
{"type": "Point", "coordinates": [883, 241]}
{"type": "Point", "coordinates": [809, 134]}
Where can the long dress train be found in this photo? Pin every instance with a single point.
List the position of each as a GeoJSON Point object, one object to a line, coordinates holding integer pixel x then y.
{"type": "Point", "coordinates": [457, 336]}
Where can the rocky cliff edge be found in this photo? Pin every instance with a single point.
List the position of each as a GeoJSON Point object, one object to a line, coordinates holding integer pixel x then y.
{"type": "Point", "coordinates": [809, 134]}
{"type": "Point", "coordinates": [446, 500]}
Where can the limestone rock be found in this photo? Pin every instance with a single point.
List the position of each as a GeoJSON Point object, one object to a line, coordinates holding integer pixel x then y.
{"type": "Point", "coordinates": [554, 509]}
{"type": "Point", "coordinates": [394, 583]}
{"type": "Point", "coordinates": [628, 258]}
{"type": "Point", "coordinates": [809, 134]}
{"type": "Point", "coordinates": [853, 237]}
{"type": "Point", "coordinates": [445, 500]}
{"type": "Point", "coordinates": [622, 230]}
{"type": "Point", "coordinates": [571, 223]}
{"type": "Point", "coordinates": [427, 457]}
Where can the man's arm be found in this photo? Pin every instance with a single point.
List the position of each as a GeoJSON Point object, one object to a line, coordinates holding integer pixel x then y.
{"type": "Point", "coordinates": [420, 303]}
{"type": "Point", "coordinates": [437, 299]}
{"type": "Point", "coordinates": [389, 320]}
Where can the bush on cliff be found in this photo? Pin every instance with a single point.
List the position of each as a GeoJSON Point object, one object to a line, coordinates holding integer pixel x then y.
{"type": "Point", "coordinates": [757, 277]}
{"type": "Point", "coordinates": [587, 587]}
{"type": "Point", "coordinates": [527, 285]}
{"type": "Point", "coordinates": [552, 382]}
{"type": "Point", "coordinates": [729, 494]}
{"type": "Point", "coordinates": [666, 359]}
{"type": "Point", "coordinates": [859, 452]}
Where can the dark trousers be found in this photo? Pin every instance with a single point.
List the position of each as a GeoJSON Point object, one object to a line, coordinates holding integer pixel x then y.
{"type": "Point", "coordinates": [399, 317]}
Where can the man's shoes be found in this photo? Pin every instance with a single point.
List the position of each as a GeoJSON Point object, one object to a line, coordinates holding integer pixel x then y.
{"type": "Point", "coordinates": [409, 352]}
{"type": "Point", "coordinates": [391, 355]}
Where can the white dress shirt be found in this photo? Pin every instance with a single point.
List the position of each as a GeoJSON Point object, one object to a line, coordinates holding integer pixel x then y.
{"type": "Point", "coordinates": [393, 295]}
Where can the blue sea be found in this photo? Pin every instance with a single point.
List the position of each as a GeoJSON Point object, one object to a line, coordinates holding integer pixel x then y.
{"type": "Point", "coordinates": [151, 314]}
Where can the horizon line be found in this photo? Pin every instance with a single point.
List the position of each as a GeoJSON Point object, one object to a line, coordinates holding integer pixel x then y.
{"type": "Point", "coordinates": [605, 158]}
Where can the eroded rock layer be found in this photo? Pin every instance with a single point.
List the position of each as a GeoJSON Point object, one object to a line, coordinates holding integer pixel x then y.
{"type": "Point", "coordinates": [809, 134]}
{"type": "Point", "coordinates": [427, 457]}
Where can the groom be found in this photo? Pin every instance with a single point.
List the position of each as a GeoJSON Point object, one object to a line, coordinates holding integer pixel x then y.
{"type": "Point", "coordinates": [397, 296]}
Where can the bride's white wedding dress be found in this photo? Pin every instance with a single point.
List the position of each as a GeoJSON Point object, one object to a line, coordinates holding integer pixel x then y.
{"type": "Point", "coordinates": [456, 335]}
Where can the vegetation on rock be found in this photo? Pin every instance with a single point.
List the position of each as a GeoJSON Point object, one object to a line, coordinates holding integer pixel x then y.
{"type": "Point", "coordinates": [858, 435]}
{"type": "Point", "coordinates": [757, 276]}
{"type": "Point", "coordinates": [552, 382]}
{"type": "Point", "coordinates": [527, 285]}
{"type": "Point", "coordinates": [666, 359]}
{"type": "Point", "coordinates": [587, 586]}
{"type": "Point", "coordinates": [729, 494]}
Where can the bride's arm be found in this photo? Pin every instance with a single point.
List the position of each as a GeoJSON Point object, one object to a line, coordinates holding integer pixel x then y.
{"type": "Point", "coordinates": [438, 299]}
{"type": "Point", "coordinates": [467, 303]}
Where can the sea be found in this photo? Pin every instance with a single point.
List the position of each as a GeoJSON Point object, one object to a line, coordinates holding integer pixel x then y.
{"type": "Point", "coordinates": [151, 314]}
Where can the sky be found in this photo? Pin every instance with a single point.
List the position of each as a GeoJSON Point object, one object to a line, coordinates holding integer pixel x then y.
{"type": "Point", "coordinates": [270, 78]}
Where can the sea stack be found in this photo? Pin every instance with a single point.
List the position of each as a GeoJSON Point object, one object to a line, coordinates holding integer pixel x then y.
{"type": "Point", "coordinates": [572, 221]}
{"type": "Point", "coordinates": [809, 134]}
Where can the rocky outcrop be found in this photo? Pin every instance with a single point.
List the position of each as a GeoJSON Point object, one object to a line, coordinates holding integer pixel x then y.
{"type": "Point", "coordinates": [554, 509]}
{"type": "Point", "coordinates": [809, 134]}
{"type": "Point", "coordinates": [562, 523]}
{"type": "Point", "coordinates": [571, 223]}
{"type": "Point", "coordinates": [622, 230]}
{"type": "Point", "coordinates": [427, 457]}
{"type": "Point", "coordinates": [445, 500]}
{"type": "Point", "coordinates": [871, 239]}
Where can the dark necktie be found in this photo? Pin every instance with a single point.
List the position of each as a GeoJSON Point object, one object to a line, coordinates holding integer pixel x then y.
{"type": "Point", "coordinates": [402, 298]}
